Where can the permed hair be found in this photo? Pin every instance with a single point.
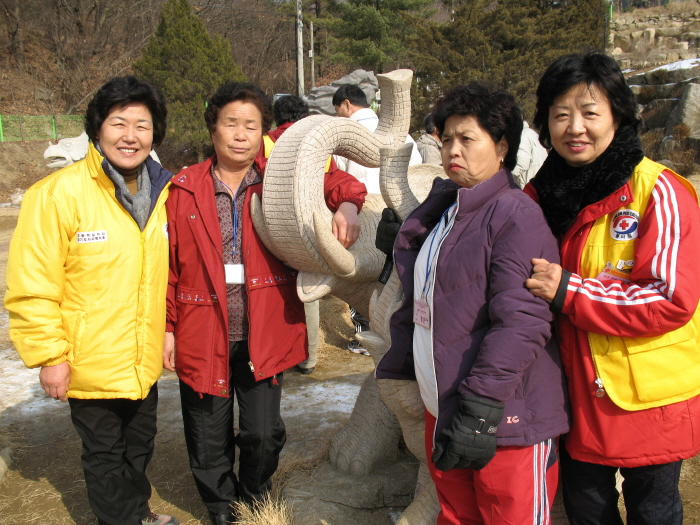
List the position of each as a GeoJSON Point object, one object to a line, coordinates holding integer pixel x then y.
{"type": "Point", "coordinates": [352, 93]}
{"type": "Point", "coordinates": [289, 108]}
{"type": "Point", "coordinates": [594, 69]}
{"type": "Point", "coordinates": [121, 91]}
{"type": "Point", "coordinates": [497, 112]}
{"type": "Point", "coordinates": [235, 91]}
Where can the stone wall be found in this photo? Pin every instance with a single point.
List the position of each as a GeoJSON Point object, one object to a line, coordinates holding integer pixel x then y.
{"type": "Point", "coordinates": [651, 40]}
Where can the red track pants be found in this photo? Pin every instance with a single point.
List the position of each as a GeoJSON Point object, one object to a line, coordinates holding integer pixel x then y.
{"type": "Point", "coordinates": [517, 487]}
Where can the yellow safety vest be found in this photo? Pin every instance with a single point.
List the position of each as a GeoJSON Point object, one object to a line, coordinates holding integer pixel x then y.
{"type": "Point", "coordinates": [640, 372]}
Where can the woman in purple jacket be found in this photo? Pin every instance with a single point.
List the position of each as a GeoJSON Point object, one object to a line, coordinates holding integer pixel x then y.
{"type": "Point", "coordinates": [478, 343]}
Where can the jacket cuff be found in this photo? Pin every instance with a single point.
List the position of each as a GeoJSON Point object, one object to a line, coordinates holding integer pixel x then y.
{"type": "Point", "coordinates": [55, 361]}
{"type": "Point", "coordinates": [559, 298]}
{"type": "Point", "coordinates": [169, 327]}
{"type": "Point", "coordinates": [357, 201]}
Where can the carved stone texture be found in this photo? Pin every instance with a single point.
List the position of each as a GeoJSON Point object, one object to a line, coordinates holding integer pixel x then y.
{"type": "Point", "coordinates": [294, 224]}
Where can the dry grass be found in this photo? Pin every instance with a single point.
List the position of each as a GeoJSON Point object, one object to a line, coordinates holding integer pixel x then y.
{"type": "Point", "coordinates": [273, 509]}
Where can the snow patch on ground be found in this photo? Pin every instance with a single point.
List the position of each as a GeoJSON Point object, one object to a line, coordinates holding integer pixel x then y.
{"type": "Point", "coordinates": [681, 64]}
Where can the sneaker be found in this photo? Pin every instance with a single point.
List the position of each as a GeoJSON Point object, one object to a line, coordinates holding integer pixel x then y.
{"type": "Point", "coordinates": [159, 519]}
{"type": "Point", "coordinates": [356, 347]}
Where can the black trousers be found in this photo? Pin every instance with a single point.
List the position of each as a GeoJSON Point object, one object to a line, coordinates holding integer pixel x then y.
{"type": "Point", "coordinates": [208, 422]}
{"type": "Point", "coordinates": [118, 437]}
{"type": "Point", "coordinates": [651, 493]}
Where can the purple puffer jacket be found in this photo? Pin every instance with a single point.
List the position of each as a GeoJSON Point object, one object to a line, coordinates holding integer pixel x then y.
{"type": "Point", "coordinates": [491, 336]}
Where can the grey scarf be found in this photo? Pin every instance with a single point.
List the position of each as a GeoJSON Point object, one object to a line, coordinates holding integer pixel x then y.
{"type": "Point", "coordinates": [139, 205]}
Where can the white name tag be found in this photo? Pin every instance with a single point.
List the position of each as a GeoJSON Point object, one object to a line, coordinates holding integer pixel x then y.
{"type": "Point", "coordinates": [234, 273]}
{"type": "Point", "coordinates": [421, 313]}
{"type": "Point", "coordinates": [99, 236]}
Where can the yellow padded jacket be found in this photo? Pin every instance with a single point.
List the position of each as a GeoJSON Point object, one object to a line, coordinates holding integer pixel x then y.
{"type": "Point", "coordinates": [85, 285]}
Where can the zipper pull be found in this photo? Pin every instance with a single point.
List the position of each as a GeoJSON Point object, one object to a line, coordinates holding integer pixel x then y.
{"type": "Point", "coordinates": [252, 367]}
{"type": "Point", "coordinates": [600, 392]}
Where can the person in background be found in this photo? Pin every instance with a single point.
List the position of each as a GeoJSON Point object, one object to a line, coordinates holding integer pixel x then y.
{"type": "Point", "coordinates": [86, 284]}
{"type": "Point", "coordinates": [338, 187]}
{"type": "Point", "coordinates": [626, 294]}
{"type": "Point", "coordinates": [429, 143]}
{"type": "Point", "coordinates": [350, 102]}
{"type": "Point", "coordinates": [531, 156]}
{"type": "Point", "coordinates": [478, 343]}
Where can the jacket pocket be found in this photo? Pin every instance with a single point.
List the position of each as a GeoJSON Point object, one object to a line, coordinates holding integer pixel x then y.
{"type": "Point", "coordinates": [75, 329]}
{"type": "Point", "coordinates": [665, 366]}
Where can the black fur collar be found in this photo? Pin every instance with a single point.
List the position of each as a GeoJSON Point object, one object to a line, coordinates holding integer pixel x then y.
{"type": "Point", "coordinates": [563, 191]}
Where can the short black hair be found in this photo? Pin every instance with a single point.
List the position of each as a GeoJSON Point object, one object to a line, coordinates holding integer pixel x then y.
{"type": "Point", "coordinates": [350, 92]}
{"type": "Point", "coordinates": [290, 108]}
{"type": "Point", "coordinates": [235, 91]}
{"type": "Point", "coordinates": [593, 68]}
{"type": "Point", "coordinates": [120, 91]}
{"type": "Point", "coordinates": [497, 112]}
{"type": "Point", "coordinates": [428, 124]}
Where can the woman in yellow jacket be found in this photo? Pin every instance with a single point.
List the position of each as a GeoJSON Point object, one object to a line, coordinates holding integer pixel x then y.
{"type": "Point", "coordinates": [86, 283]}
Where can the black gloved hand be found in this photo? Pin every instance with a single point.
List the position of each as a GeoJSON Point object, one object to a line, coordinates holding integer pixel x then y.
{"type": "Point", "coordinates": [387, 229]}
{"type": "Point", "coordinates": [469, 441]}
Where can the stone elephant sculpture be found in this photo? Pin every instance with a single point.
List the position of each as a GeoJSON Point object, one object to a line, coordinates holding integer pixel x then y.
{"type": "Point", "coordinates": [294, 223]}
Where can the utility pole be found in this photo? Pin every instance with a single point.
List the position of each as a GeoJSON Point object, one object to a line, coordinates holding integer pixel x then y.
{"type": "Point", "coordinates": [311, 53]}
{"type": "Point", "coordinates": [300, 52]}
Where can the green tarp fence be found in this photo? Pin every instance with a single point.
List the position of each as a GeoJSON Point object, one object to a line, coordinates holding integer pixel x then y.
{"type": "Point", "coordinates": [16, 128]}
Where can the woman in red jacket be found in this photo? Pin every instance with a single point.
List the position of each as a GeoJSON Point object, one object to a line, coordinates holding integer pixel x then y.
{"type": "Point", "coordinates": [627, 291]}
{"type": "Point", "coordinates": [233, 309]}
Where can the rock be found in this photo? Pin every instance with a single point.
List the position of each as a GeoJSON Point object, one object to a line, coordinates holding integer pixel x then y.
{"type": "Point", "coordinates": [649, 35]}
{"type": "Point", "coordinates": [667, 146]}
{"type": "Point", "coordinates": [5, 461]}
{"type": "Point", "coordinates": [320, 98]}
{"type": "Point", "coordinates": [16, 197]}
{"type": "Point", "coordinates": [639, 79]}
{"type": "Point", "coordinates": [694, 144]}
{"type": "Point", "coordinates": [687, 111]}
{"type": "Point", "coordinates": [332, 496]}
{"type": "Point", "coordinates": [656, 113]}
{"type": "Point", "coordinates": [668, 31]}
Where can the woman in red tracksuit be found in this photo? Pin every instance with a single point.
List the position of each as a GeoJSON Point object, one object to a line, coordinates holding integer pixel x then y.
{"type": "Point", "coordinates": [627, 291]}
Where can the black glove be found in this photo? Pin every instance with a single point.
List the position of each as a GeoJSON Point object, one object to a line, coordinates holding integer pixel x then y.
{"type": "Point", "coordinates": [470, 440]}
{"type": "Point", "coordinates": [387, 229]}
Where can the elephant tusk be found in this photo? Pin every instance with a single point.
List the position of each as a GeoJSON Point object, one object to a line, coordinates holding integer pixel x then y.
{"type": "Point", "coordinates": [340, 260]}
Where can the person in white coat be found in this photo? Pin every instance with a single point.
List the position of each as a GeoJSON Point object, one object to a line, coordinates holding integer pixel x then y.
{"type": "Point", "coordinates": [350, 102]}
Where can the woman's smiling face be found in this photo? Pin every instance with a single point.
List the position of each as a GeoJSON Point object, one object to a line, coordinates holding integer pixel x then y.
{"type": "Point", "coordinates": [581, 124]}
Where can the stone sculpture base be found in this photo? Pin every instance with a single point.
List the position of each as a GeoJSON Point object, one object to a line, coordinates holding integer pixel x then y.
{"type": "Point", "coordinates": [329, 497]}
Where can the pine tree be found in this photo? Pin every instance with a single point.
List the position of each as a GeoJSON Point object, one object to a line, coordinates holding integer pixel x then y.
{"type": "Point", "coordinates": [508, 43]}
{"type": "Point", "coordinates": [188, 66]}
{"type": "Point", "coordinates": [368, 33]}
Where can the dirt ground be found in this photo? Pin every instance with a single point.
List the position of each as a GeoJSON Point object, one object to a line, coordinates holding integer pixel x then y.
{"type": "Point", "coordinates": [45, 484]}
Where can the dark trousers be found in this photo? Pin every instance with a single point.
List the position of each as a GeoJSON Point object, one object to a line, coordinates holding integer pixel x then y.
{"type": "Point", "coordinates": [117, 439]}
{"type": "Point", "coordinates": [651, 493]}
{"type": "Point", "coordinates": [208, 422]}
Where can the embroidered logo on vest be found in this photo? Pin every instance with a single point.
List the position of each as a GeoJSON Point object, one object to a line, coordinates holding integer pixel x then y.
{"type": "Point", "coordinates": [625, 225]}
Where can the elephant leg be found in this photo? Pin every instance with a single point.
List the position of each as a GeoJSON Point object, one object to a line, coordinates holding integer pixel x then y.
{"type": "Point", "coordinates": [403, 399]}
{"type": "Point", "coordinates": [425, 506]}
{"type": "Point", "coordinates": [371, 436]}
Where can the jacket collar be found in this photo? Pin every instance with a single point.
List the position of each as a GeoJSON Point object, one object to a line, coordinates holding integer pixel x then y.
{"type": "Point", "coordinates": [364, 114]}
{"type": "Point", "coordinates": [472, 199]}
